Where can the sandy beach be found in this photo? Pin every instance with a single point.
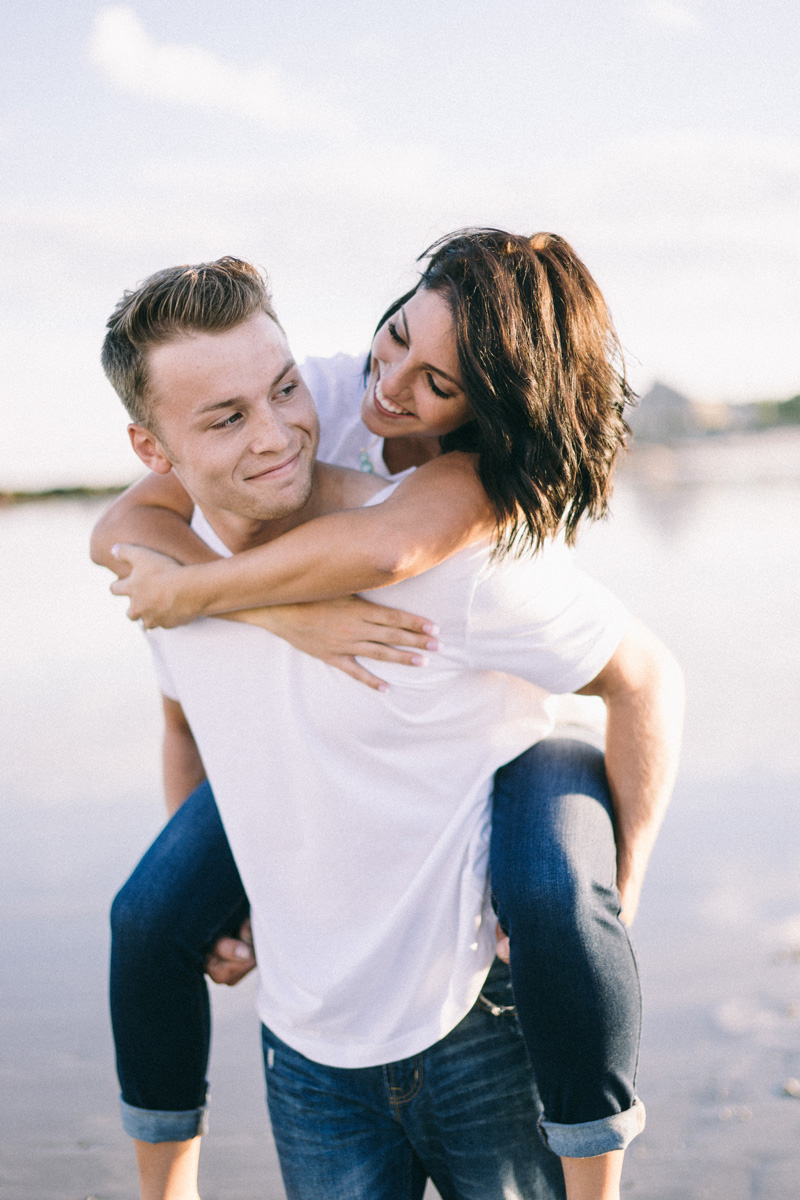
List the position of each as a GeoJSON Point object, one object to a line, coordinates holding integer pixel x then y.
{"type": "Point", "coordinates": [713, 569]}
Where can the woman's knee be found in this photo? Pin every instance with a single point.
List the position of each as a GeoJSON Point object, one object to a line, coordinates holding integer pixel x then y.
{"type": "Point", "coordinates": [549, 770]}
{"type": "Point", "coordinates": [141, 916]}
{"type": "Point", "coordinates": [553, 854]}
{"type": "Point", "coordinates": [548, 901]}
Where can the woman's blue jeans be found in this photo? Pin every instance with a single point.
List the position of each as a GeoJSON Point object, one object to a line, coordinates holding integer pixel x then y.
{"type": "Point", "coordinates": [553, 867]}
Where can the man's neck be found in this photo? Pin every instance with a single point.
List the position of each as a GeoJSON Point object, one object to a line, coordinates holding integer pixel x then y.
{"type": "Point", "coordinates": [332, 489]}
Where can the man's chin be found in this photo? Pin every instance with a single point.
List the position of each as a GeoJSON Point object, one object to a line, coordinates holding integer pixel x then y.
{"type": "Point", "coordinates": [276, 508]}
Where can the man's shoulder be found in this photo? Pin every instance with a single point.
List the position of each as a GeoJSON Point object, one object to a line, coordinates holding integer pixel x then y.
{"type": "Point", "coordinates": [343, 487]}
{"type": "Point", "coordinates": [526, 590]}
{"type": "Point", "coordinates": [542, 618]}
{"type": "Point", "coordinates": [523, 571]}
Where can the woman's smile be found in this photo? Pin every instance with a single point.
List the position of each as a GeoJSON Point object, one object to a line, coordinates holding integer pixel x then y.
{"type": "Point", "coordinates": [385, 405]}
{"type": "Point", "coordinates": [415, 358]}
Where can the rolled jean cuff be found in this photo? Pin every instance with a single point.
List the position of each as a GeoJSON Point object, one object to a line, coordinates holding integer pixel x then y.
{"type": "Point", "coordinates": [154, 1125]}
{"type": "Point", "coordinates": [590, 1138]}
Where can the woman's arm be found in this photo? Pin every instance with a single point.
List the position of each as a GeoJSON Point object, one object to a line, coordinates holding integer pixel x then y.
{"type": "Point", "coordinates": [182, 765]}
{"type": "Point", "coordinates": [432, 515]}
{"type": "Point", "coordinates": [154, 512]}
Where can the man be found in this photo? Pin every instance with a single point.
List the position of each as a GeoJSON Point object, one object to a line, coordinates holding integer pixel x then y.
{"type": "Point", "coordinates": [359, 822]}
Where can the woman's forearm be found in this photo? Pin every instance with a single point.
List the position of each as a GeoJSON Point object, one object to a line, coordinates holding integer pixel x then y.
{"type": "Point", "coordinates": [325, 558]}
{"type": "Point", "coordinates": [153, 512]}
{"type": "Point", "coordinates": [155, 527]}
{"type": "Point", "coordinates": [426, 520]}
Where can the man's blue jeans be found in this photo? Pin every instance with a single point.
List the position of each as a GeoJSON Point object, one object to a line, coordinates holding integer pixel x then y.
{"type": "Point", "coordinates": [463, 1113]}
{"type": "Point", "coordinates": [553, 864]}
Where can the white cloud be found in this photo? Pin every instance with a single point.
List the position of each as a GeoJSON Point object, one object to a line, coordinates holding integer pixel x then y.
{"type": "Point", "coordinates": [692, 192]}
{"type": "Point", "coordinates": [668, 15]}
{"type": "Point", "coordinates": [194, 77]}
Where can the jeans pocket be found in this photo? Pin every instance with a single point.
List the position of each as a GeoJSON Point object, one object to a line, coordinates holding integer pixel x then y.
{"type": "Point", "coordinates": [497, 996]}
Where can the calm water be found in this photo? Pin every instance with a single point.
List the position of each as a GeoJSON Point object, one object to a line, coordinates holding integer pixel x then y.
{"type": "Point", "coordinates": [713, 569]}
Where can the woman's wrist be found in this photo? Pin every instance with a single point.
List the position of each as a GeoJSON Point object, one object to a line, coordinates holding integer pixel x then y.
{"type": "Point", "coordinates": [194, 590]}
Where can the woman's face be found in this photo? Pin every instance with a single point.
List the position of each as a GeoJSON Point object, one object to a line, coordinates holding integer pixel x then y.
{"type": "Point", "coordinates": [415, 388]}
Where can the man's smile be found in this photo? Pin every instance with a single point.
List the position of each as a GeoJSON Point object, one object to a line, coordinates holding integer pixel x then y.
{"type": "Point", "coordinates": [278, 471]}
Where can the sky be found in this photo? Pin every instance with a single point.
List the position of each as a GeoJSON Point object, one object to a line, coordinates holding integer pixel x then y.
{"type": "Point", "coordinates": [332, 143]}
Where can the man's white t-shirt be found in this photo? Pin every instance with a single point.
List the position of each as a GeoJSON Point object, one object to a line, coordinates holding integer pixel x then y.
{"type": "Point", "coordinates": [359, 820]}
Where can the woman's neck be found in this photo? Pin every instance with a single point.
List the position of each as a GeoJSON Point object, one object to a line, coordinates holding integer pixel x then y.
{"type": "Point", "coordinates": [403, 452]}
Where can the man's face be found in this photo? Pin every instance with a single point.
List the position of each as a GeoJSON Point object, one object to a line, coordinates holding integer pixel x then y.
{"type": "Point", "coordinates": [236, 420]}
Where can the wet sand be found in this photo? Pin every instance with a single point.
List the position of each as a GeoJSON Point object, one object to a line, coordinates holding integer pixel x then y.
{"type": "Point", "coordinates": [718, 935]}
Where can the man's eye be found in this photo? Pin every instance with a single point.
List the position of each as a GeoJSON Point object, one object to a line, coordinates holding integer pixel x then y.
{"type": "Point", "coordinates": [393, 334]}
{"type": "Point", "coordinates": [230, 421]}
{"type": "Point", "coordinates": [286, 391]}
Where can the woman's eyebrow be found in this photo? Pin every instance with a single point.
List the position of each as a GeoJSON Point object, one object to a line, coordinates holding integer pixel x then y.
{"type": "Point", "coordinates": [429, 366]}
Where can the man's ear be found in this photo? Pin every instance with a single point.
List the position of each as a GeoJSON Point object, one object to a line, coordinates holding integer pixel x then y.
{"type": "Point", "coordinates": [149, 449]}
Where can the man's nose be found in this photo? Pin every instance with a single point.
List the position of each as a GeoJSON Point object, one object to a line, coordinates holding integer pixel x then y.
{"type": "Point", "coordinates": [269, 432]}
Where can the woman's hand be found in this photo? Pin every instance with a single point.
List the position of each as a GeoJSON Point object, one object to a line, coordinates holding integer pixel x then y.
{"type": "Point", "coordinates": [150, 580]}
{"type": "Point", "coordinates": [335, 631]}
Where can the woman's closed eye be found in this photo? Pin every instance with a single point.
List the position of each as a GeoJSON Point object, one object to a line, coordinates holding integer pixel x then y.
{"type": "Point", "coordinates": [393, 333]}
{"type": "Point", "coordinates": [437, 391]}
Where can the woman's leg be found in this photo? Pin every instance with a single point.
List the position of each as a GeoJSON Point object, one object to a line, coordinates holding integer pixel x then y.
{"type": "Point", "coordinates": [576, 987]}
{"type": "Point", "coordinates": [183, 895]}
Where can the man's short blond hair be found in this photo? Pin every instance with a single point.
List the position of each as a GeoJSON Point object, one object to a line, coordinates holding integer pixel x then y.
{"type": "Point", "coordinates": [205, 298]}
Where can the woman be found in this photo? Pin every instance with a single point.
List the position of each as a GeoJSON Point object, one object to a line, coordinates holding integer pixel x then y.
{"type": "Point", "coordinates": [496, 376]}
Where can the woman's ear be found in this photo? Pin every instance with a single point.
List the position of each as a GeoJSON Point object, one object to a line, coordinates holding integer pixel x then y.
{"type": "Point", "coordinates": [149, 449]}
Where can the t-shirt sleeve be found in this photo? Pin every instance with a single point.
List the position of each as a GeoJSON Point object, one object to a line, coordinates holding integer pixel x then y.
{"type": "Point", "coordinates": [165, 680]}
{"type": "Point", "coordinates": [544, 620]}
{"type": "Point", "coordinates": [337, 385]}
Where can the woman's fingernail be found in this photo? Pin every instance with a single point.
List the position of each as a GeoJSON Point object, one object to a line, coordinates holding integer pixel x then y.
{"type": "Point", "coordinates": [428, 628]}
{"type": "Point", "coordinates": [432, 645]}
{"type": "Point", "coordinates": [115, 552]}
{"type": "Point", "coordinates": [420, 660]}
{"type": "Point", "coordinates": [383, 687]}
{"type": "Point", "coordinates": [242, 952]}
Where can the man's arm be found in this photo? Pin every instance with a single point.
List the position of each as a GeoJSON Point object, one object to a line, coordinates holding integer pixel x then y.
{"type": "Point", "coordinates": [230, 959]}
{"type": "Point", "coordinates": [642, 686]}
{"type": "Point", "coordinates": [182, 765]}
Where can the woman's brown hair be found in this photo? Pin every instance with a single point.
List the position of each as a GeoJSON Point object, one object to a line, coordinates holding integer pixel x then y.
{"type": "Point", "coordinates": [542, 369]}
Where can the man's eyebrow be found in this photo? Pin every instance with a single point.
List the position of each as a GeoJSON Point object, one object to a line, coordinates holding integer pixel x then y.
{"type": "Point", "coordinates": [235, 401]}
{"type": "Point", "coordinates": [429, 366]}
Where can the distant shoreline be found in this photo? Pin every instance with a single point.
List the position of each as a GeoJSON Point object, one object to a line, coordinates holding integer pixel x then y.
{"type": "Point", "coordinates": [746, 456]}
{"type": "Point", "coordinates": [62, 493]}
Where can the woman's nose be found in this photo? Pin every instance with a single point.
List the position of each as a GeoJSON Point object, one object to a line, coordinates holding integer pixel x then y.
{"type": "Point", "coordinates": [393, 380]}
